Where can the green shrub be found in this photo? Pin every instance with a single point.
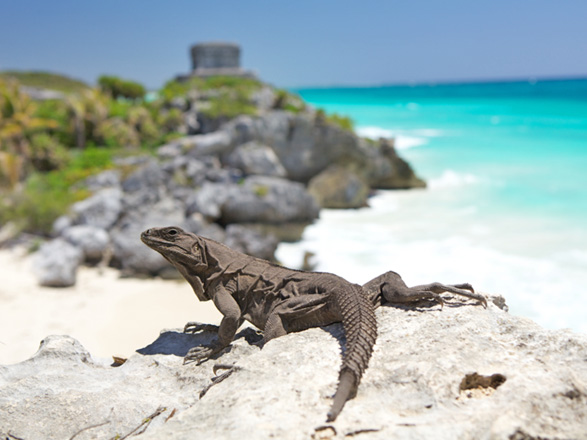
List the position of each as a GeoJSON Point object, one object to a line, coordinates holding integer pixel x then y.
{"type": "Point", "coordinates": [82, 164]}
{"type": "Point", "coordinates": [170, 120]}
{"type": "Point", "coordinates": [121, 88]}
{"type": "Point", "coordinates": [116, 133]}
{"type": "Point", "coordinates": [232, 94]}
{"type": "Point", "coordinates": [173, 89]}
{"type": "Point", "coordinates": [229, 105]}
{"type": "Point", "coordinates": [285, 100]}
{"type": "Point", "coordinates": [35, 208]}
{"type": "Point", "coordinates": [47, 153]}
{"type": "Point", "coordinates": [343, 122]}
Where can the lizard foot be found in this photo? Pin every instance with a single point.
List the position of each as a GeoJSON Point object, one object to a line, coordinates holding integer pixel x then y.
{"type": "Point", "coordinates": [464, 289]}
{"type": "Point", "coordinates": [465, 286]}
{"type": "Point", "coordinates": [201, 353]}
{"type": "Point", "coordinates": [194, 327]}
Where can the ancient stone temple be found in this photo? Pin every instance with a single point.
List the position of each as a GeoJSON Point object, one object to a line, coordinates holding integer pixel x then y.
{"type": "Point", "coordinates": [216, 58]}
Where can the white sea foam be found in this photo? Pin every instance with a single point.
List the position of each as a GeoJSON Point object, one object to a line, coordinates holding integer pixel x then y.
{"type": "Point", "coordinates": [450, 178]}
{"type": "Point", "coordinates": [405, 142]}
{"type": "Point", "coordinates": [374, 132]}
{"type": "Point", "coordinates": [402, 141]}
{"type": "Point", "coordinates": [360, 245]}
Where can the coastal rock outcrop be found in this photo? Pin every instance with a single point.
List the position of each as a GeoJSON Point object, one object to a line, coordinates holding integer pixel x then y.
{"type": "Point", "coordinates": [255, 158]}
{"type": "Point", "coordinates": [270, 173]}
{"type": "Point", "coordinates": [459, 372]}
{"type": "Point", "coordinates": [272, 200]}
{"type": "Point", "coordinates": [337, 188]}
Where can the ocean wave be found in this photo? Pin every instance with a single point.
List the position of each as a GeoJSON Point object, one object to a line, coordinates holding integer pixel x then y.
{"type": "Point", "coordinates": [533, 287]}
{"type": "Point", "coordinates": [373, 132]}
{"type": "Point", "coordinates": [403, 139]}
{"type": "Point", "coordinates": [402, 142]}
{"type": "Point", "coordinates": [451, 179]}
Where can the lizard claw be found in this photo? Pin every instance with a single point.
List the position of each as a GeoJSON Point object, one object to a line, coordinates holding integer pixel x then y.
{"type": "Point", "coordinates": [194, 327]}
{"type": "Point", "coordinates": [200, 354]}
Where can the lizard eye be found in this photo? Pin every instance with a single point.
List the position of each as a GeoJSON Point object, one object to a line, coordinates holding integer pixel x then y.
{"type": "Point", "coordinates": [172, 232]}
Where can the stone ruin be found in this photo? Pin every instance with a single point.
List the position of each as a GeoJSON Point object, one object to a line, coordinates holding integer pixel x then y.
{"type": "Point", "coordinates": [216, 58]}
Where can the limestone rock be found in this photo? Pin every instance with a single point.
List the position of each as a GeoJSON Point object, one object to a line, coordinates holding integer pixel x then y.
{"type": "Point", "coordinates": [461, 372]}
{"type": "Point", "coordinates": [306, 145]}
{"type": "Point", "coordinates": [264, 199]}
{"type": "Point", "coordinates": [56, 263]}
{"type": "Point", "coordinates": [61, 391]}
{"type": "Point", "coordinates": [130, 254]}
{"type": "Point", "coordinates": [208, 200]}
{"type": "Point", "coordinates": [101, 210]}
{"type": "Point", "coordinates": [251, 242]}
{"type": "Point", "coordinates": [91, 240]}
{"type": "Point", "coordinates": [216, 142]}
{"type": "Point", "coordinates": [393, 172]}
{"type": "Point", "coordinates": [255, 158]}
{"type": "Point", "coordinates": [339, 188]}
{"type": "Point", "coordinates": [105, 179]}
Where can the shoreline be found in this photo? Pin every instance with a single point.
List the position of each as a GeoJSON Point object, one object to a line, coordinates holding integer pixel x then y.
{"type": "Point", "coordinates": [109, 315]}
{"type": "Point", "coordinates": [395, 234]}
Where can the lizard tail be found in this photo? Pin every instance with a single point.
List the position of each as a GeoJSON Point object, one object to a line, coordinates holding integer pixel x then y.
{"type": "Point", "coordinates": [360, 328]}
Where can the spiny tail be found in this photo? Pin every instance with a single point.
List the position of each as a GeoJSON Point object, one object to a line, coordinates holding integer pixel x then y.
{"type": "Point", "coordinates": [360, 328]}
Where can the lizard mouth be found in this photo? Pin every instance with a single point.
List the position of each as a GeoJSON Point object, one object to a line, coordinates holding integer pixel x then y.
{"type": "Point", "coordinates": [147, 238]}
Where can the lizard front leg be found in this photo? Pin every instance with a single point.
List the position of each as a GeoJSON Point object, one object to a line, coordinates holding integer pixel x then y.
{"type": "Point", "coordinates": [226, 304]}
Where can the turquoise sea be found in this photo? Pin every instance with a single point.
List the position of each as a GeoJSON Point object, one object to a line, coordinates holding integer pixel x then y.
{"type": "Point", "coordinates": [506, 203]}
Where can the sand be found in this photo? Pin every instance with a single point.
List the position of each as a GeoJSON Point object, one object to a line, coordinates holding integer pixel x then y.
{"type": "Point", "coordinates": [107, 314]}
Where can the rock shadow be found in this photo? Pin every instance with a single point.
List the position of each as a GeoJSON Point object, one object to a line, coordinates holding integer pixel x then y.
{"type": "Point", "coordinates": [177, 343]}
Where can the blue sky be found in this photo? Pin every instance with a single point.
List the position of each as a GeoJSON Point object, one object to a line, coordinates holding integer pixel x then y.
{"type": "Point", "coordinates": [302, 42]}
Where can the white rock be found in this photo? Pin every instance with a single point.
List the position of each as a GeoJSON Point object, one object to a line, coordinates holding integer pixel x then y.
{"type": "Point", "coordinates": [90, 239]}
{"type": "Point", "coordinates": [56, 263]}
{"type": "Point", "coordinates": [415, 386]}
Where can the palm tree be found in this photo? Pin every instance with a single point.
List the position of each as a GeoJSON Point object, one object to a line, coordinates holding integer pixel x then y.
{"type": "Point", "coordinates": [87, 110]}
{"type": "Point", "coordinates": [18, 122]}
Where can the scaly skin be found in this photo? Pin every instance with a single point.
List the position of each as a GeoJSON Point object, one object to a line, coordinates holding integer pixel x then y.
{"type": "Point", "coordinates": [273, 298]}
{"type": "Point", "coordinates": [278, 300]}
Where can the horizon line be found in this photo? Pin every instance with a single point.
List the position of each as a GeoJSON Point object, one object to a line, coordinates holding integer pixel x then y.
{"type": "Point", "coordinates": [434, 83]}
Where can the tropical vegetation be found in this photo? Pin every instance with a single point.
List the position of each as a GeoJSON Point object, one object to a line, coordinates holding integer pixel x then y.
{"type": "Point", "coordinates": [48, 147]}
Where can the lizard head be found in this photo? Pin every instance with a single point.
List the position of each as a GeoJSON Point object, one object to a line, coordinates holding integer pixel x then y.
{"type": "Point", "coordinates": [181, 248]}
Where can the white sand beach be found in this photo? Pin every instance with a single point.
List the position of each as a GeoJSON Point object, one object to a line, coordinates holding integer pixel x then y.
{"type": "Point", "coordinates": [107, 314]}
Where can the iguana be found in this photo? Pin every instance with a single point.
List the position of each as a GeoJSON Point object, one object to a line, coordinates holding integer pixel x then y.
{"type": "Point", "coordinates": [278, 300]}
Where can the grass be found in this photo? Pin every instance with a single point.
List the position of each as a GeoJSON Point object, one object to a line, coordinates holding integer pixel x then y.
{"type": "Point", "coordinates": [233, 97]}
{"type": "Point", "coordinates": [46, 80]}
{"type": "Point", "coordinates": [46, 196]}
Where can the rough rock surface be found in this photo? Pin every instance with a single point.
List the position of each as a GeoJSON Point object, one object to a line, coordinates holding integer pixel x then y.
{"type": "Point", "coordinates": [460, 372]}
{"type": "Point", "coordinates": [339, 188]}
{"type": "Point", "coordinates": [265, 199]}
{"type": "Point", "coordinates": [251, 170]}
{"type": "Point", "coordinates": [56, 263]}
{"type": "Point", "coordinates": [91, 240]}
{"type": "Point", "coordinates": [255, 158]}
{"type": "Point", "coordinates": [100, 210]}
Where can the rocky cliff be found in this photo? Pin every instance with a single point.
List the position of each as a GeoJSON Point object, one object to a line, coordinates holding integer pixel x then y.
{"type": "Point", "coordinates": [254, 181]}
